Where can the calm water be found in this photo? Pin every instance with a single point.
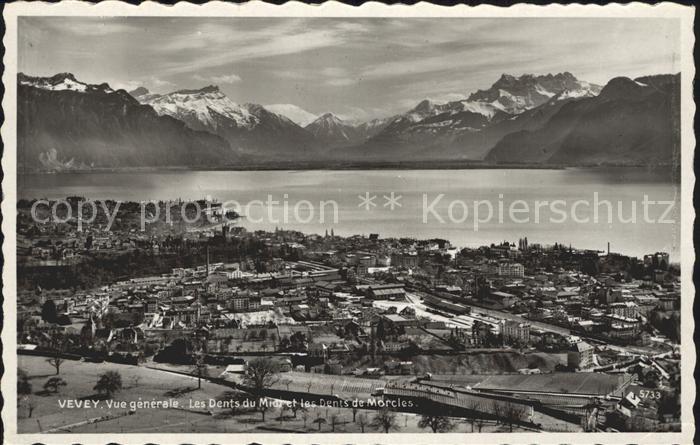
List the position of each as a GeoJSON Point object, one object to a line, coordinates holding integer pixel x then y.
{"type": "Point", "coordinates": [624, 188]}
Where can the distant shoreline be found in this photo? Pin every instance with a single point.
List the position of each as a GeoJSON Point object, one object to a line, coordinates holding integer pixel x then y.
{"type": "Point", "coordinates": [425, 165]}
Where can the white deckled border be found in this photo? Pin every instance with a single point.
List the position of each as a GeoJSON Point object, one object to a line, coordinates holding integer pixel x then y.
{"type": "Point", "coordinates": [684, 14]}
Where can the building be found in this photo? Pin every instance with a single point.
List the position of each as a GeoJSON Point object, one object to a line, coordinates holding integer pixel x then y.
{"type": "Point", "coordinates": [658, 260]}
{"type": "Point", "coordinates": [387, 292]}
{"type": "Point", "coordinates": [515, 332]}
{"type": "Point", "coordinates": [580, 356]}
{"type": "Point", "coordinates": [627, 309]}
{"type": "Point", "coordinates": [514, 270]}
{"type": "Point", "coordinates": [404, 259]}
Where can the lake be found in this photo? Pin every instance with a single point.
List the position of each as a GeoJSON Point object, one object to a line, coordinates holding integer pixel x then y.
{"type": "Point", "coordinates": [586, 208]}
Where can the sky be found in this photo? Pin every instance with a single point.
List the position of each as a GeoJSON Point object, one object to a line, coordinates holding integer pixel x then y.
{"type": "Point", "coordinates": [358, 68]}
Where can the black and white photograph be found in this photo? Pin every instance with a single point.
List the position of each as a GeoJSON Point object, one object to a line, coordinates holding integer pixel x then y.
{"type": "Point", "coordinates": [300, 222]}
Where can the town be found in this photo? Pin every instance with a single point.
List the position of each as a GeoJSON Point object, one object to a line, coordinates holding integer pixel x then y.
{"type": "Point", "coordinates": [388, 334]}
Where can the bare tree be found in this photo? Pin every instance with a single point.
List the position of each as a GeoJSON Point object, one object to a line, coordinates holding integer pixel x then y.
{"type": "Point", "coordinates": [499, 412]}
{"type": "Point", "coordinates": [263, 407]}
{"type": "Point", "coordinates": [284, 409]}
{"type": "Point", "coordinates": [320, 421]}
{"type": "Point", "coordinates": [296, 407]}
{"type": "Point", "coordinates": [473, 409]}
{"type": "Point", "coordinates": [362, 421]}
{"type": "Point", "coordinates": [385, 420]}
{"type": "Point", "coordinates": [438, 424]}
{"type": "Point", "coordinates": [31, 405]}
{"type": "Point", "coordinates": [335, 419]}
{"type": "Point", "coordinates": [513, 414]}
{"type": "Point", "coordinates": [200, 370]}
{"type": "Point", "coordinates": [58, 346]}
{"type": "Point", "coordinates": [305, 416]}
{"type": "Point", "coordinates": [260, 374]}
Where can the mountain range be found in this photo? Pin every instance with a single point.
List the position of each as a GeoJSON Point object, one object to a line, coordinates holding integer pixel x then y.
{"type": "Point", "coordinates": [64, 123]}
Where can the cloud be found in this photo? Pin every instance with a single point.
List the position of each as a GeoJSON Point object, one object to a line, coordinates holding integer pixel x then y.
{"type": "Point", "coordinates": [160, 83]}
{"type": "Point", "coordinates": [82, 26]}
{"type": "Point", "coordinates": [340, 82]}
{"type": "Point", "coordinates": [223, 79]}
{"type": "Point", "coordinates": [213, 45]}
{"type": "Point", "coordinates": [153, 84]}
{"type": "Point", "coordinates": [333, 71]}
{"type": "Point", "coordinates": [357, 115]}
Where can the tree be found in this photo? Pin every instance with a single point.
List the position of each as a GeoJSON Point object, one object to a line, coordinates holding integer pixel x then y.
{"type": "Point", "coordinates": [263, 407]}
{"type": "Point", "coordinates": [513, 414]}
{"type": "Point", "coordinates": [57, 348]}
{"type": "Point", "coordinates": [232, 400]}
{"type": "Point", "coordinates": [296, 407]}
{"type": "Point", "coordinates": [439, 424]}
{"type": "Point", "coordinates": [305, 416]}
{"type": "Point", "coordinates": [335, 419]}
{"type": "Point", "coordinates": [385, 420]}
{"type": "Point", "coordinates": [472, 412]}
{"type": "Point", "coordinates": [31, 405]}
{"type": "Point", "coordinates": [49, 312]}
{"type": "Point", "coordinates": [260, 374]}
{"type": "Point", "coordinates": [109, 383]}
{"type": "Point", "coordinates": [362, 421]}
{"type": "Point", "coordinates": [53, 384]}
{"type": "Point", "coordinates": [320, 421]}
{"type": "Point", "coordinates": [24, 391]}
{"type": "Point", "coordinates": [285, 408]}
{"type": "Point", "coordinates": [499, 412]}
{"type": "Point", "coordinates": [24, 387]}
{"type": "Point", "coordinates": [200, 370]}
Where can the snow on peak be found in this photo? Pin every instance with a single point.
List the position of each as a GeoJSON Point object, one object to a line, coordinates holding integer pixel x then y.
{"type": "Point", "coordinates": [62, 82]}
{"type": "Point", "coordinates": [484, 108]}
{"type": "Point", "coordinates": [517, 94]}
{"type": "Point", "coordinates": [205, 105]}
{"type": "Point", "coordinates": [292, 112]}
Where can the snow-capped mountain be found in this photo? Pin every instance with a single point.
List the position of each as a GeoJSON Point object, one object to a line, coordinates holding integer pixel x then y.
{"type": "Point", "coordinates": [514, 95]}
{"type": "Point", "coordinates": [63, 123]}
{"type": "Point", "coordinates": [294, 113]}
{"type": "Point", "coordinates": [468, 128]}
{"type": "Point", "coordinates": [142, 94]}
{"type": "Point", "coordinates": [248, 128]}
{"type": "Point", "coordinates": [202, 109]}
{"type": "Point", "coordinates": [629, 122]}
{"type": "Point", "coordinates": [332, 130]}
{"type": "Point", "coordinates": [62, 82]}
{"type": "Point", "coordinates": [371, 128]}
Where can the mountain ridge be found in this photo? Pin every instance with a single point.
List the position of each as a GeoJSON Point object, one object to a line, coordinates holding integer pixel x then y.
{"type": "Point", "coordinates": [535, 112]}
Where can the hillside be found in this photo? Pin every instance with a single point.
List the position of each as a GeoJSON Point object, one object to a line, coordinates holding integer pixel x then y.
{"type": "Point", "coordinates": [630, 122]}
{"type": "Point", "coordinates": [66, 124]}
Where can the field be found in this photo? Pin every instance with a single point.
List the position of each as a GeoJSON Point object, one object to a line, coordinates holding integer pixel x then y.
{"type": "Point", "coordinates": [574, 383]}
{"type": "Point", "coordinates": [149, 384]}
{"type": "Point", "coordinates": [345, 387]}
{"type": "Point", "coordinates": [472, 363]}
